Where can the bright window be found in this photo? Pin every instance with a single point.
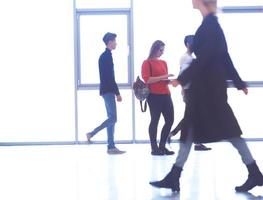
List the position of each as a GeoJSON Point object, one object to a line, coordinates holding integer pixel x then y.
{"type": "Point", "coordinates": [92, 29]}
{"type": "Point", "coordinates": [244, 42]}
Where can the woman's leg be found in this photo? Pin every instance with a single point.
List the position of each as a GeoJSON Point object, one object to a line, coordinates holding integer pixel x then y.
{"type": "Point", "coordinates": [177, 128]}
{"type": "Point", "coordinates": [155, 111]}
{"type": "Point", "coordinates": [184, 150]}
{"type": "Point", "coordinates": [171, 180]}
{"type": "Point", "coordinates": [243, 150]}
{"type": "Point", "coordinates": [168, 114]}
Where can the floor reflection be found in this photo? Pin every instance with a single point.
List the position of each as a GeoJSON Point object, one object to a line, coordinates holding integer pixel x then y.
{"type": "Point", "coordinates": [87, 172]}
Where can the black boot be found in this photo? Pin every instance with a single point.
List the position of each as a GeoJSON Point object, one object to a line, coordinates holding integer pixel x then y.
{"type": "Point", "coordinates": [166, 151]}
{"type": "Point", "coordinates": [255, 178]}
{"type": "Point", "coordinates": [171, 180]}
{"type": "Point", "coordinates": [155, 149]}
{"type": "Point", "coordinates": [157, 152]}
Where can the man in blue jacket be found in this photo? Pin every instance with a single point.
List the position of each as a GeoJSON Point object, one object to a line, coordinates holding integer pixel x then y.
{"type": "Point", "coordinates": [109, 91]}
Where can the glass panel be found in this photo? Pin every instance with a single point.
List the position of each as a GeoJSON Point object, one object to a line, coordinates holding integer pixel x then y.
{"type": "Point", "coordinates": [248, 110]}
{"type": "Point", "coordinates": [103, 4]}
{"type": "Point", "coordinates": [92, 30]}
{"type": "Point", "coordinates": [245, 41]}
{"type": "Point", "coordinates": [37, 71]}
{"type": "Point", "coordinates": [92, 112]}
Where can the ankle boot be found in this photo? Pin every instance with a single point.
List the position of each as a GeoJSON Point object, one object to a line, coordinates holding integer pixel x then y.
{"type": "Point", "coordinates": [166, 151]}
{"type": "Point", "coordinates": [171, 180]}
{"type": "Point", "coordinates": [155, 149]}
{"type": "Point", "coordinates": [157, 152]}
{"type": "Point", "coordinates": [255, 178]}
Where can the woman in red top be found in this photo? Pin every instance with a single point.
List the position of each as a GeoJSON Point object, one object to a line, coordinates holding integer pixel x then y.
{"type": "Point", "coordinates": [155, 74]}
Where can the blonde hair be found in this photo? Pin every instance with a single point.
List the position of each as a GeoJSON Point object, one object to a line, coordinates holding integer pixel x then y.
{"type": "Point", "coordinates": [156, 46]}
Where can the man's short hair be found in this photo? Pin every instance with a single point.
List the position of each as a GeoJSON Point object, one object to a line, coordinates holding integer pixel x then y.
{"type": "Point", "coordinates": [108, 37]}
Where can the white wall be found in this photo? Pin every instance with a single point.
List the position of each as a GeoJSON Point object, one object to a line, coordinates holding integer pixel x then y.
{"type": "Point", "coordinates": [36, 71]}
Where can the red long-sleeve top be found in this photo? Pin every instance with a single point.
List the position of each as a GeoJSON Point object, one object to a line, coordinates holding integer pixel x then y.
{"type": "Point", "coordinates": [153, 68]}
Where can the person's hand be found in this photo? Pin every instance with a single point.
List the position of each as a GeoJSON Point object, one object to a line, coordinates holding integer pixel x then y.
{"type": "Point", "coordinates": [245, 90]}
{"type": "Point", "coordinates": [175, 83]}
{"type": "Point", "coordinates": [119, 98]}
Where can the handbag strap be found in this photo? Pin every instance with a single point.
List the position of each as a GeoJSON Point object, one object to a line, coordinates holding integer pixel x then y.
{"type": "Point", "coordinates": [144, 107]}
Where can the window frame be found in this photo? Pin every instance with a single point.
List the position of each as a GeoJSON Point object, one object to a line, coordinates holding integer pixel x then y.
{"type": "Point", "coordinates": [115, 11]}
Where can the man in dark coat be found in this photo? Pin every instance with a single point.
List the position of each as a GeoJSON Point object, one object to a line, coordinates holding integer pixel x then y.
{"type": "Point", "coordinates": [209, 118]}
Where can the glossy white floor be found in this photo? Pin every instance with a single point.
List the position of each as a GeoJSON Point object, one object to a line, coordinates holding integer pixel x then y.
{"type": "Point", "coordinates": [86, 172]}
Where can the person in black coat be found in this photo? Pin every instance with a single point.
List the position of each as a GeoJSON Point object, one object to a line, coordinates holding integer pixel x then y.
{"type": "Point", "coordinates": [208, 116]}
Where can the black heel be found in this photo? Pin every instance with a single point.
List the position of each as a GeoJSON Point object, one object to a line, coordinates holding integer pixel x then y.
{"type": "Point", "coordinates": [255, 178]}
{"type": "Point", "coordinates": [170, 181]}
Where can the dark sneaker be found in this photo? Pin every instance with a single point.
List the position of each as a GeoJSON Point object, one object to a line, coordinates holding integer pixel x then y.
{"type": "Point", "coordinates": [114, 151]}
{"type": "Point", "coordinates": [201, 147]}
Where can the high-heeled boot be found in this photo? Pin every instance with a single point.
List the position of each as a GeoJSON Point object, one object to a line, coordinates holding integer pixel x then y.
{"type": "Point", "coordinates": [255, 178]}
{"type": "Point", "coordinates": [171, 180]}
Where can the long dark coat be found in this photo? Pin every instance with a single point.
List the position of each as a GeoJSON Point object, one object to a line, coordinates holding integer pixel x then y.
{"type": "Point", "coordinates": [207, 111]}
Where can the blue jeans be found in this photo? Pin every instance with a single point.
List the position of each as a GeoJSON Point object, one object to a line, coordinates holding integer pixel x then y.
{"type": "Point", "coordinates": [110, 104]}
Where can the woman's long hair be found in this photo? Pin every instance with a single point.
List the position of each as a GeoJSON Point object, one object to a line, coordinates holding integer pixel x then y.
{"type": "Point", "coordinates": [156, 46]}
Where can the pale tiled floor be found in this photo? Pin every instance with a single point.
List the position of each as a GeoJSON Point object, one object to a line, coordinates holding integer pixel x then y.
{"type": "Point", "coordinates": [86, 172]}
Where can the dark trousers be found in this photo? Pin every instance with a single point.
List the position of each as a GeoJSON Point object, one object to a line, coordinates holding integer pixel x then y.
{"type": "Point", "coordinates": [160, 104]}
